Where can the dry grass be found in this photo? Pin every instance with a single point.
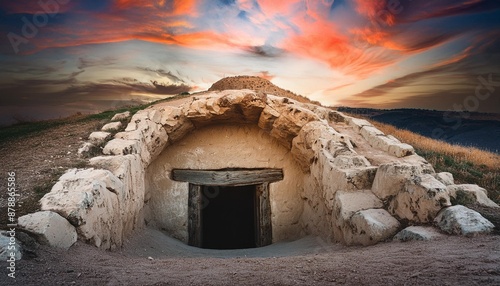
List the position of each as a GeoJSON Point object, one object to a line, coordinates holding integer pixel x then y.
{"type": "Point", "coordinates": [459, 153]}
{"type": "Point", "coordinates": [468, 165]}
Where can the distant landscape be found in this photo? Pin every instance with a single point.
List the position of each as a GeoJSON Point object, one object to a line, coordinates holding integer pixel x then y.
{"type": "Point", "coordinates": [480, 130]}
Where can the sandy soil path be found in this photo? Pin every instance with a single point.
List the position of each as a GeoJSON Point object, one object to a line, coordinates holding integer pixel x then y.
{"type": "Point", "coordinates": [449, 261]}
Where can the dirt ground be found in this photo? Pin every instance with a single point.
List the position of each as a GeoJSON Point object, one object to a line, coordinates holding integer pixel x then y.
{"type": "Point", "coordinates": [309, 261]}
{"type": "Point", "coordinates": [39, 160]}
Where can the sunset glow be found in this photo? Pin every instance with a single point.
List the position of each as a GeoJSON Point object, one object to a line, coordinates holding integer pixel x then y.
{"type": "Point", "coordinates": [59, 57]}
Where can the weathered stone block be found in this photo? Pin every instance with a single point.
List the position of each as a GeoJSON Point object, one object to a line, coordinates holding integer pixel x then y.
{"type": "Point", "coordinates": [6, 241]}
{"type": "Point", "coordinates": [420, 201]}
{"type": "Point", "coordinates": [88, 199]}
{"type": "Point", "coordinates": [112, 126]}
{"type": "Point", "coordinates": [471, 194]}
{"type": "Point", "coordinates": [391, 178]}
{"type": "Point", "coordinates": [463, 221]}
{"type": "Point", "coordinates": [445, 178]}
{"type": "Point", "coordinates": [411, 233]}
{"type": "Point", "coordinates": [357, 123]}
{"type": "Point", "coordinates": [99, 137]}
{"type": "Point", "coordinates": [122, 147]}
{"type": "Point", "coordinates": [372, 226]}
{"type": "Point", "coordinates": [49, 228]}
{"type": "Point", "coordinates": [121, 116]}
{"type": "Point", "coordinates": [400, 150]}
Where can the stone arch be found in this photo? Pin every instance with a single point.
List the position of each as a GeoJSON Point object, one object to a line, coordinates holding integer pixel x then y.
{"type": "Point", "coordinates": [345, 197]}
{"type": "Point", "coordinates": [154, 129]}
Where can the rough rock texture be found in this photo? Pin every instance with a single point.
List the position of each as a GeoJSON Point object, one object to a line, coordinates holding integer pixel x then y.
{"type": "Point", "coordinates": [445, 178]}
{"type": "Point", "coordinates": [392, 177]}
{"type": "Point", "coordinates": [91, 200]}
{"type": "Point", "coordinates": [112, 126]}
{"type": "Point", "coordinates": [463, 221]}
{"type": "Point", "coordinates": [121, 116]}
{"type": "Point", "coordinates": [421, 200]}
{"type": "Point", "coordinates": [86, 149]}
{"type": "Point", "coordinates": [99, 137]}
{"type": "Point", "coordinates": [49, 228]}
{"type": "Point", "coordinates": [15, 250]}
{"type": "Point", "coordinates": [346, 204]}
{"type": "Point", "coordinates": [468, 193]}
{"type": "Point", "coordinates": [341, 173]}
{"type": "Point", "coordinates": [373, 225]}
{"type": "Point", "coordinates": [417, 233]}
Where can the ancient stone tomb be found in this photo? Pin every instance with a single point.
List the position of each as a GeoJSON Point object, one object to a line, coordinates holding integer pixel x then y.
{"type": "Point", "coordinates": [238, 169]}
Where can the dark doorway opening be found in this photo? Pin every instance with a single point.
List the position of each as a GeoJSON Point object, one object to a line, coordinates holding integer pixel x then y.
{"type": "Point", "coordinates": [228, 217]}
{"type": "Point", "coordinates": [229, 208]}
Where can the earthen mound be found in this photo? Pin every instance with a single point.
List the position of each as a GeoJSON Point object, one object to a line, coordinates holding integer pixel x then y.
{"type": "Point", "coordinates": [258, 84]}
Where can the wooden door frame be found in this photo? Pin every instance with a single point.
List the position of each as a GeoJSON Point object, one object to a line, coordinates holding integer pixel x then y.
{"type": "Point", "coordinates": [260, 178]}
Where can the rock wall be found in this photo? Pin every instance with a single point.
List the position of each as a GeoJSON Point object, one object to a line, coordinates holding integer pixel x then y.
{"type": "Point", "coordinates": [357, 186]}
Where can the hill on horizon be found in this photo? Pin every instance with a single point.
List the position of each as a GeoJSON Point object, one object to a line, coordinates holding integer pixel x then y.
{"type": "Point", "coordinates": [480, 130]}
{"type": "Point", "coordinates": [258, 84]}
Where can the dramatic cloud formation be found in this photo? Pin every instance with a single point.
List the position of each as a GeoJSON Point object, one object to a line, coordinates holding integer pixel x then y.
{"type": "Point", "coordinates": [76, 55]}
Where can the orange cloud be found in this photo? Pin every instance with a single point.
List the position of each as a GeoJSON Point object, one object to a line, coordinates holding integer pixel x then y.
{"type": "Point", "coordinates": [321, 40]}
{"type": "Point", "coordinates": [274, 7]}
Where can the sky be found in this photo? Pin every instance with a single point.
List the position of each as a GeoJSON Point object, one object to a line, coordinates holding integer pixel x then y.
{"type": "Point", "coordinates": [60, 57]}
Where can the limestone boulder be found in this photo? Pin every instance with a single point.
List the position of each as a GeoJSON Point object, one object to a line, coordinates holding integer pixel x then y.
{"type": "Point", "coordinates": [99, 137]}
{"type": "Point", "coordinates": [445, 178]}
{"type": "Point", "coordinates": [381, 142]}
{"type": "Point", "coordinates": [400, 150]}
{"type": "Point", "coordinates": [349, 162]}
{"type": "Point", "coordinates": [370, 133]}
{"type": "Point", "coordinates": [339, 148]}
{"type": "Point", "coordinates": [49, 228]}
{"type": "Point", "coordinates": [175, 123]}
{"type": "Point", "coordinates": [372, 226]}
{"type": "Point", "coordinates": [9, 247]}
{"type": "Point", "coordinates": [243, 106]}
{"type": "Point", "coordinates": [336, 116]}
{"type": "Point", "coordinates": [312, 138]}
{"type": "Point", "coordinates": [151, 136]}
{"type": "Point", "coordinates": [345, 205]}
{"type": "Point", "coordinates": [121, 116]}
{"type": "Point", "coordinates": [468, 193]}
{"type": "Point", "coordinates": [87, 149]}
{"type": "Point", "coordinates": [348, 203]}
{"type": "Point", "coordinates": [463, 221]}
{"type": "Point", "coordinates": [120, 146]}
{"type": "Point", "coordinates": [290, 122]}
{"type": "Point", "coordinates": [89, 200]}
{"type": "Point", "coordinates": [424, 233]}
{"type": "Point", "coordinates": [336, 179]}
{"type": "Point", "coordinates": [357, 123]}
{"type": "Point", "coordinates": [420, 201]}
{"type": "Point", "coordinates": [130, 170]}
{"type": "Point", "coordinates": [391, 178]}
{"type": "Point", "coordinates": [112, 127]}
{"type": "Point", "coordinates": [267, 118]}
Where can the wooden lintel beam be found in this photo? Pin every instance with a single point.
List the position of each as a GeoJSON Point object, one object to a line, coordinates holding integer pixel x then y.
{"type": "Point", "coordinates": [228, 177]}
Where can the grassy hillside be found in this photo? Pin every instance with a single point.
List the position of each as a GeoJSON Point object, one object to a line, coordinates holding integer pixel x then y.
{"type": "Point", "coordinates": [473, 129]}
{"type": "Point", "coordinates": [468, 165]}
